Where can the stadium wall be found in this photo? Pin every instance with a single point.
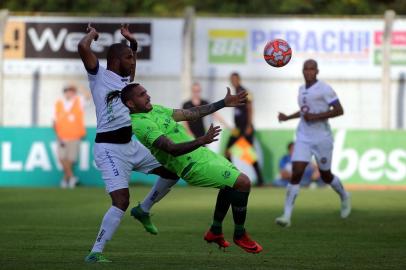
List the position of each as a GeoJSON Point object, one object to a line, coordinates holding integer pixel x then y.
{"type": "Point", "coordinates": [368, 158]}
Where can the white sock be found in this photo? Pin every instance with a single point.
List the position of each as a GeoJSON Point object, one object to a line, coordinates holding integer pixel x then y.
{"type": "Point", "coordinates": [161, 187]}
{"type": "Point", "coordinates": [339, 188]}
{"type": "Point", "coordinates": [110, 223]}
{"type": "Point", "coordinates": [291, 193]}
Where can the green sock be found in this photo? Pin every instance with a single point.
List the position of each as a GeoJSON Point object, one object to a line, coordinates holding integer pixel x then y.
{"type": "Point", "coordinates": [239, 231]}
{"type": "Point", "coordinates": [239, 201]}
{"type": "Point", "coordinates": [222, 205]}
{"type": "Point", "coordinates": [216, 227]}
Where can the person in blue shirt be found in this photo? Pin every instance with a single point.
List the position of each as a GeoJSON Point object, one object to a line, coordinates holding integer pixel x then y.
{"type": "Point", "coordinates": [311, 174]}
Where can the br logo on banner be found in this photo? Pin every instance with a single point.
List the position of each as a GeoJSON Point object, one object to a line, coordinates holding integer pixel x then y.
{"type": "Point", "coordinates": [227, 46]}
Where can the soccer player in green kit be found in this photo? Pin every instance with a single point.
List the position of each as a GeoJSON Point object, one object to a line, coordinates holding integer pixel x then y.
{"type": "Point", "coordinates": [156, 127]}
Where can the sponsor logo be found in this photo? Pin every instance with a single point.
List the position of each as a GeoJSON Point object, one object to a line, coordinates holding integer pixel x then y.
{"type": "Point", "coordinates": [398, 48]}
{"type": "Point", "coordinates": [332, 43]}
{"type": "Point", "coordinates": [239, 209]}
{"type": "Point", "coordinates": [226, 174]}
{"type": "Point", "coordinates": [14, 40]}
{"type": "Point", "coordinates": [60, 40]}
{"type": "Point", "coordinates": [40, 156]}
{"type": "Point", "coordinates": [323, 160]}
{"type": "Point", "coordinates": [102, 232]}
{"type": "Point", "coordinates": [304, 109]}
{"type": "Point", "coordinates": [227, 46]}
{"type": "Point", "coordinates": [112, 164]}
{"type": "Point", "coordinates": [372, 164]}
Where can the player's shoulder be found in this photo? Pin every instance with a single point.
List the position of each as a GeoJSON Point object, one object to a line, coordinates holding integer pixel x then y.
{"type": "Point", "coordinates": [324, 86]}
{"type": "Point", "coordinates": [99, 70]}
{"type": "Point", "coordinates": [97, 77]}
{"type": "Point", "coordinates": [159, 109]}
{"type": "Point", "coordinates": [141, 120]}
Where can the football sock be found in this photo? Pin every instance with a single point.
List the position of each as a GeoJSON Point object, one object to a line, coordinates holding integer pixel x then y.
{"type": "Point", "coordinates": [222, 205]}
{"type": "Point", "coordinates": [161, 187]}
{"type": "Point", "coordinates": [338, 187]}
{"type": "Point", "coordinates": [110, 223]}
{"type": "Point", "coordinates": [239, 231]}
{"type": "Point", "coordinates": [291, 194]}
{"type": "Point", "coordinates": [239, 201]}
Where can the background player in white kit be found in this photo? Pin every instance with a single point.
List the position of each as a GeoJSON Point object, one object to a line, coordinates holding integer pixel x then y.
{"type": "Point", "coordinates": [317, 102]}
{"type": "Point", "coordinates": [116, 154]}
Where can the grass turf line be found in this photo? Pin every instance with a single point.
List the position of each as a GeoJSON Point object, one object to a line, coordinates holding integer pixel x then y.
{"type": "Point", "coordinates": [54, 229]}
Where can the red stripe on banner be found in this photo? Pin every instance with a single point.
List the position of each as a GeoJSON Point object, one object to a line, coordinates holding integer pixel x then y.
{"type": "Point", "coordinates": [398, 38]}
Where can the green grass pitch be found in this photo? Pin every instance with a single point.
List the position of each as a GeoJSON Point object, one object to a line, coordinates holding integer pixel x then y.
{"type": "Point", "coordinates": [54, 229]}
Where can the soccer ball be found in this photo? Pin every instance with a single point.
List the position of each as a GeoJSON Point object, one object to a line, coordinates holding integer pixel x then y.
{"type": "Point", "coordinates": [277, 53]}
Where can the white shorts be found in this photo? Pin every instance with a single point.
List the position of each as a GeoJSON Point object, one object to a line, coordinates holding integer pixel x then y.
{"type": "Point", "coordinates": [322, 151]}
{"type": "Point", "coordinates": [117, 161]}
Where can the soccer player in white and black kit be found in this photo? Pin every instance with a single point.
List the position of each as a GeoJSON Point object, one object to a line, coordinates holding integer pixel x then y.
{"type": "Point", "coordinates": [317, 102]}
{"type": "Point", "coordinates": [116, 153]}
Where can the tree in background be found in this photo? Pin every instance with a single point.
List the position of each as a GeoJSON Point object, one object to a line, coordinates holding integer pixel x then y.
{"type": "Point", "coordinates": [225, 7]}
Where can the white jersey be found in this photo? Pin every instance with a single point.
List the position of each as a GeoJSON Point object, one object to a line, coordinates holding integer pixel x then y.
{"type": "Point", "coordinates": [115, 115]}
{"type": "Point", "coordinates": [316, 99]}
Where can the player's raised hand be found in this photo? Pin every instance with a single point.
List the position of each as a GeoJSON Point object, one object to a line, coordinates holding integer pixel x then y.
{"type": "Point", "coordinates": [126, 32]}
{"type": "Point", "coordinates": [211, 134]}
{"type": "Point", "coordinates": [91, 30]}
{"type": "Point", "coordinates": [235, 100]}
{"type": "Point", "coordinates": [282, 117]}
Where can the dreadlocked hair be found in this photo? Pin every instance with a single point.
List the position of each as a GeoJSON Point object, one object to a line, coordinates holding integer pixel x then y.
{"type": "Point", "coordinates": [124, 94]}
{"type": "Point", "coordinates": [113, 95]}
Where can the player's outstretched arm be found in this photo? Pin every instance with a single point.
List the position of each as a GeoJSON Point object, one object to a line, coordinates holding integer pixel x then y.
{"type": "Point", "coordinates": [335, 110]}
{"type": "Point", "coordinates": [177, 149]}
{"type": "Point", "coordinates": [201, 111]}
{"type": "Point", "coordinates": [89, 59]}
{"type": "Point", "coordinates": [283, 117]}
{"type": "Point", "coordinates": [133, 45]}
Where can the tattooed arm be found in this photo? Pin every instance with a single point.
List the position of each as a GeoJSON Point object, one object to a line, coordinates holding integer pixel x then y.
{"type": "Point", "coordinates": [197, 112]}
{"type": "Point", "coordinates": [177, 149]}
{"type": "Point", "coordinates": [201, 111]}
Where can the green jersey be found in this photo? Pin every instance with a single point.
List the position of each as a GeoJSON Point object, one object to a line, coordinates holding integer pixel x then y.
{"type": "Point", "coordinates": [149, 126]}
{"type": "Point", "coordinates": [201, 167]}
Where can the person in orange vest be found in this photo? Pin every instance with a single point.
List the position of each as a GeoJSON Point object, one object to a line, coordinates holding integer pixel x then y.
{"type": "Point", "coordinates": [70, 129]}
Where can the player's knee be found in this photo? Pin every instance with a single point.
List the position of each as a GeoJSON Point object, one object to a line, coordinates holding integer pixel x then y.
{"type": "Point", "coordinates": [122, 203]}
{"type": "Point", "coordinates": [296, 177]}
{"type": "Point", "coordinates": [243, 183]}
{"type": "Point", "coordinates": [120, 199]}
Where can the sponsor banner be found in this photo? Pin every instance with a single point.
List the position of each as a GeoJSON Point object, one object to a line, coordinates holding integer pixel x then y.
{"type": "Point", "coordinates": [367, 158]}
{"type": "Point", "coordinates": [344, 48]}
{"type": "Point", "coordinates": [28, 158]}
{"type": "Point", "coordinates": [50, 44]}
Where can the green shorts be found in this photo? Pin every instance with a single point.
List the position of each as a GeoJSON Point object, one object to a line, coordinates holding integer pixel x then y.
{"type": "Point", "coordinates": [211, 170]}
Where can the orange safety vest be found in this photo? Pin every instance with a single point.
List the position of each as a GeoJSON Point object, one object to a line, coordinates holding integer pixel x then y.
{"type": "Point", "coordinates": [69, 125]}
